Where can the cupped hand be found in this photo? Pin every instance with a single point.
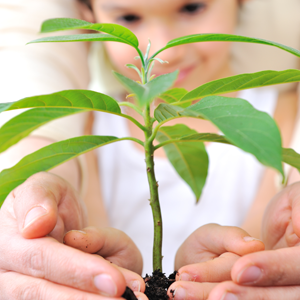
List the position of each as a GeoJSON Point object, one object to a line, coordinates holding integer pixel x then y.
{"type": "Point", "coordinates": [112, 244]}
{"type": "Point", "coordinates": [274, 273]}
{"type": "Point", "coordinates": [35, 264]}
{"type": "Point", "coordinates": [206, 258]}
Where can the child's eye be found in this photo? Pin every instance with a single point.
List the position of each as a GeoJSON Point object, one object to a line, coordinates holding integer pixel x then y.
{"type": "Point", "coordinates": [192, 8]}
{"type": "Point", "coordinates": [130, 18]}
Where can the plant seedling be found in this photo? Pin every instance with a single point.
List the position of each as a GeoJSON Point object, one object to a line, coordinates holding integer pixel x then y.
{"type": "Point", "coordinates": [243, 126]}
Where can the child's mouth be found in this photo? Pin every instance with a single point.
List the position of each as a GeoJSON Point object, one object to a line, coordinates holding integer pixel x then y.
{"type": "Point", "coordinates": [183, 74]}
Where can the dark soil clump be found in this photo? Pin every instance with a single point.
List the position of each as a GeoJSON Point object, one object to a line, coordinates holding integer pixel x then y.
{"type": "Point", "coordinates": [129, 294]}
{"type": "Point", "coordinates": [156, 286]}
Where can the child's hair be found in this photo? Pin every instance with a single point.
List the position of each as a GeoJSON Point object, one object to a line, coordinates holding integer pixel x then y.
{"type": "Point", "coordinates": [87, 3]}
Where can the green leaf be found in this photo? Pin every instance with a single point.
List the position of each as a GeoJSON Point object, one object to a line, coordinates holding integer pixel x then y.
{"type": "Point", "coordinates": [249, 129]}
{"type": "Point", "coordinates": [189, 159]}
{"type": "Point", "coordinates": [58, 24]}
{"type": "Point", "coordinates": [291, 157]}
{"type": "Point", "coordinates": [23, 124]}
{"type": "Point", "coordinates": [242, 82]}
{"type": "Point", "coordinates": [245, 127]}
{"type": "Point", "coordinates": [75, 99]}
{"type": "Point", "coordinates": [116, 30]}
{"type": "Point", "coordinates": [134, 67]}
{"type": "Point", "coordinates": [205, 137]}
{"type": "Point", "coordinates": [196, 137]}
{"type": "Point", "coordinates": [47, 158]}
{"type": "Point", "coordinates": [165, 112]}
{"type": "Point", "coordinates": [175, 95]}
{"type": "Point", "coordinates": [219, 37]}
{"type": "Point", "coordinates": [147, 92]}
{"type": "Point", "coordinates": [91, 37]}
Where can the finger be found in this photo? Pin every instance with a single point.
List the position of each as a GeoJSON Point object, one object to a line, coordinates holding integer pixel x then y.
{"type": "Point", "coordinates": [282, 211]}
{"type": "Point", "coordinates": [140, 296]}
{"type": "Point", "coordinates": [133, 280]}
{"type": "Point", "coordinates": [48, 259]}
{"type": "Point", "coordinates": [211, 240]}
{"type": "Point", "coordinates": [215, 270]}
{"type": "Point", "coordinates": [291, 239]}
{"type": "Point", "coordinates": [29, 288]}
{"type": "Point", "coordinates": [110, 243]}
{"type": "Point", "coordinates": [35, 206]}
{"type": "Point", "coordinates": [273, 267]}
{"type": "Point", "coordinates": [294, 196]}
{"type": "Point", "coordinates": [190, 290]}
{"type": "Point", "coordinates": [232, 291]}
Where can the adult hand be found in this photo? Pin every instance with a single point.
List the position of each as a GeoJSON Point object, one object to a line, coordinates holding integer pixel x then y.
{"type": "Point", "coordinates": [206, 258]}
{"type": "Point", "coordinates": [275, 273]}
{"type": "Point", "coordinates": [34, 264]}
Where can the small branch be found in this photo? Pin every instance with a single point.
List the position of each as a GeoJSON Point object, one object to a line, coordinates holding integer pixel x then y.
{"type": "Point", "coordinates": [131, 105]}
{"type": "Point", "coordinates": [141, 56]}
{"type": "Point", "coordinates": [132, 139]}
{"type": "Point", "coordinates": [157, 52]}
{"type": "Point", "coordinates": [156, 128]}
{"type": "Point", "coordinates": [138, 124]}
{"type": "Point", "coordinates": [169, 142]}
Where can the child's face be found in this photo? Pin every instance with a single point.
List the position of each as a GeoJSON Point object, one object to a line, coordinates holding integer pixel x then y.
{"type": "Point", "coordinates": [163, 20]}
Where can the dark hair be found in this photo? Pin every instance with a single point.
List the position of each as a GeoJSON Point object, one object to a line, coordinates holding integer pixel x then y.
{"type": "Point", "coordinates": [87, 3]}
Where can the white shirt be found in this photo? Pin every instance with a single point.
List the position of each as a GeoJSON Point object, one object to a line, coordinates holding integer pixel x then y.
{"type": "Point", "coordinates": [233, 180]}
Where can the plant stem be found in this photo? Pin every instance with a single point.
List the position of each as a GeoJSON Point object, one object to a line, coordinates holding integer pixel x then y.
{"type": "Point", "coordinates": [154, 200]}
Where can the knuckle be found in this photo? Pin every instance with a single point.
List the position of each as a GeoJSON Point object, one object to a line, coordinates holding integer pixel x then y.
{"type": "Point", "coordinates": [27, 188]}
{"type": "Point", "coordinates": [277, 275]}
{"type": "Point", "coordinates": [264, 295]}
{"type": "Point", "coordinates": [35, 262]}
{"type": "Point", "coordinates": [278, 278]}
{"type": "Point", "coordinates": [13, 286]}
{"type": "Point", "coordinates": [29, 292]}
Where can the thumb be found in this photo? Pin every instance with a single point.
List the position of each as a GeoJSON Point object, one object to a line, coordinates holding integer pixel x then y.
{"type": "Point", "coordinates": [35, 205]}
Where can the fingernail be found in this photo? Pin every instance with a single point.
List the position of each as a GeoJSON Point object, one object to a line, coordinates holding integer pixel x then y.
{"type": "Point", "coordinates": [179, 293]}
{"type": "Point", "coordinates": [249, 275]}
{"type": "Point", "coordinates": [136, 286]}
{"type": "Point", "coordinates": [105, 285]}
{"type": "Point", "coordinates": [250, 239]}
{"type": "Point", "coordinates": [33, 215]}
{"type": "Point", "coordinates": [229, 296]}
{"type": "Point", "coordinates": [185, 277]}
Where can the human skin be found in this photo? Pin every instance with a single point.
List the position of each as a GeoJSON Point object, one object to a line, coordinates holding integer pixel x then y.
{"type": "Point", "coordinates": [269, 274]}
{"type": "Point", "coordinates": [35, 219]}
{"type": "Point", "coordinates": [272, 274]}
{"type": "Point", "coordinates": [28, 280]}
{"type": "Point", "coordinates": [161, 21]}
{"type": "Point", "coordinates": [206, 258]}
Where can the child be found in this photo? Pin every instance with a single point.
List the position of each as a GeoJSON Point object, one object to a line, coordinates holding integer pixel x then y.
{"type": "Point", "coordinates": [227, 197]}
{"type": "Point", "coordinates": [235, 198]}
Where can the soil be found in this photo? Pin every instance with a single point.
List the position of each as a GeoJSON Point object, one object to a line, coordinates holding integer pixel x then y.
{"type": "Point", "coordinates": [156, 286]}
{"type": "Point", "coordinates": [129, 294]}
